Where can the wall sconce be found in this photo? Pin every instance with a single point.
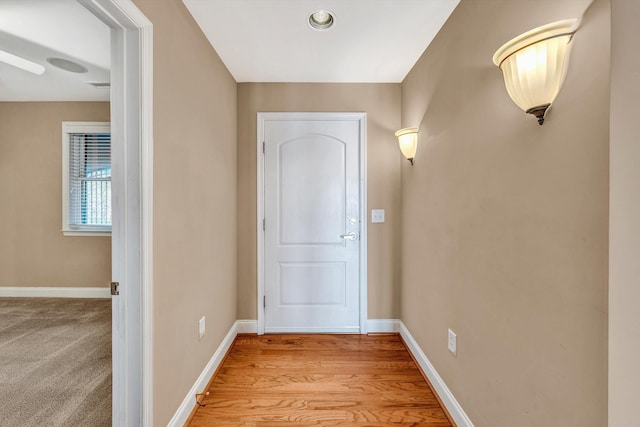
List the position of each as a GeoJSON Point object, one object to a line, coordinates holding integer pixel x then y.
{"type": "Point", "coordinates": [408, 141]}
{"type": "Point", "coordinates": [534, 65]}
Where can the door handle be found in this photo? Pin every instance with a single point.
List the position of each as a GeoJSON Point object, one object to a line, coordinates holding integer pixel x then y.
{"type": "Point", "coordinates": [350, 236]}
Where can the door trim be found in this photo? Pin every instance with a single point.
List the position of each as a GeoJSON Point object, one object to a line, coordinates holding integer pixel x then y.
{"type": "Point", "coordinates": [281, 116]}
{"type": "Point", "coordinates": [132, 235]}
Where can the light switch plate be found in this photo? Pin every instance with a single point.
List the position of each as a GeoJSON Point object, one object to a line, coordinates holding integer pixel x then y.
{"type": "Point", "coordinates": [377, 215]}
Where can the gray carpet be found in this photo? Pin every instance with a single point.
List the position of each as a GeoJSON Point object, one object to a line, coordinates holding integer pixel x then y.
{"type": "Point", "coordinates": [55, 362]}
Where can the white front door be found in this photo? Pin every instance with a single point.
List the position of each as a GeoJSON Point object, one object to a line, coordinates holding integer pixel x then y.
{"type": "Point", "coordinates": [312, 224]}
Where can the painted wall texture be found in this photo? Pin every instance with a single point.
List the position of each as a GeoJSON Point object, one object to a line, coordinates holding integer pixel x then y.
{"type": "Point", "coordinates": [194, 202]}
{"type": "Point", "coordinates": [33, 251]}
{"type": "Point", "coordinates": [624, 229]}
{"type": "Point", "coordinates": [505, 222]}
{"type": "Point", "coordinates": [381, 102]}
{"type": "Point", "coordinates": [499, 232]}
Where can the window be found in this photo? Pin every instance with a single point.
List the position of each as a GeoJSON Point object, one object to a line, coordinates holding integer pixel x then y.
{"type": "Point", "coordinates": [86, 179]}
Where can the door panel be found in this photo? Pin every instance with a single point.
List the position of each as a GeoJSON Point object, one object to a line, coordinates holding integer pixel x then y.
{"type": "Point", "coordinates": [321, 283]}
{"type": "Point", "coordinates": [312, 190]}
{"type": "Point", "coordinates": [312, 199]}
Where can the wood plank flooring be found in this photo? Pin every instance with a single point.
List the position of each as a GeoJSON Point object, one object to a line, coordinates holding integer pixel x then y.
{"type": "Point", "coordinates": [319, 380]}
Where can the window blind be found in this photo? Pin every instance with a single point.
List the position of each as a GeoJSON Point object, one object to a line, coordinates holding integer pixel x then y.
{"type": "Point", "coordinates": [90, 180]}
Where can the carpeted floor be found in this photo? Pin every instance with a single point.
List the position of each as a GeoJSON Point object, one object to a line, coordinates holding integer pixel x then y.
{"type": "Point", "coordinates": [55, 362]}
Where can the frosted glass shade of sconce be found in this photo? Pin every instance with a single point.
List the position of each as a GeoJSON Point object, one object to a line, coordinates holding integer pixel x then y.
{"type": "Point", "coordinates": [535, 64]}
{"type": "Point", "coordinates": [408, 141]}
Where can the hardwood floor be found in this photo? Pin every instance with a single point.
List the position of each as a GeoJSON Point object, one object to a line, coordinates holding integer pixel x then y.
{"type": "Point", "coordinates": [319, 380]}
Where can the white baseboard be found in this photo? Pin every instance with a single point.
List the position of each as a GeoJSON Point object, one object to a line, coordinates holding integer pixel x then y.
{"type": "Point", "coordinates": [383, 325]}
{"type": "Point", "coordinates": [54, 292]}
{"type": "Point", "coordinates": [183, 412]}
{"type": "Point", "coordinates": [247, 326]}
{"type": "Point", "coordinates": [447, 398]}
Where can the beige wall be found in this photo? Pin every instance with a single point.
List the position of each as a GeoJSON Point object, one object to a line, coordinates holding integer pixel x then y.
{"type": "Point", "coordinates": [505, 223]}
{"type": "Point", "coordinates": [381, 102]}
{"type": "Point", "coordinates": [194, 202]}
{"type": "Point", "coordinates": [624, 231]}
{"type": "Point", "coordinates": [33, 251]}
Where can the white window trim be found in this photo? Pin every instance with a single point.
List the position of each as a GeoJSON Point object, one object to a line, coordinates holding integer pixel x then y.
{"type": "Point", "coordinates": [69, 128]}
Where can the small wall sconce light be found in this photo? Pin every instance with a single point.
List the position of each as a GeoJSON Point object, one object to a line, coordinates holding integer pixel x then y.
{"type": "Point", "coordinates": [408, 141]}
{"type": "Point", "coordinates": [534, 65]}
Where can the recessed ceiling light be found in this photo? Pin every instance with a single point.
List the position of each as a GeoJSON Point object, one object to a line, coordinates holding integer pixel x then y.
{"type": "Point", "coordinates": [321, 20]}
{"type": "Point", "coordinates": [19, 62]}
{"type": "Point", "coordinates": [65, 64]}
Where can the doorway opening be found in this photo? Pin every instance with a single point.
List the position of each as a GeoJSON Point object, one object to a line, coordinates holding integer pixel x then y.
{"type": "Point", "coordinates": [55, 269]}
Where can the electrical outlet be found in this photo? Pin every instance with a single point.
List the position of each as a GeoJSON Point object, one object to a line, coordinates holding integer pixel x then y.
{"type": "Point", "coordinates": [452, 343]}
{"type": "Point", "coordinates": [201, 327]}
{"type": "Point", "coordinates": [377, 215]}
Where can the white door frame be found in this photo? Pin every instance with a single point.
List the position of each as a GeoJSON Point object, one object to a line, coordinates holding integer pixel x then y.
{"type": "Point", "coordinates": [362, 119]}
{"type": "Point", "coordinates": [132, 166]}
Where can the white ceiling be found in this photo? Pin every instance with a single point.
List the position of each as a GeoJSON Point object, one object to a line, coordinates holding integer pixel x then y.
{"type": "Point", "coordinates": [271, 41]}
{"type": "Point", "coordinates": [258, 40]}
{"type": "Point", "coordinates": [39, 29]}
